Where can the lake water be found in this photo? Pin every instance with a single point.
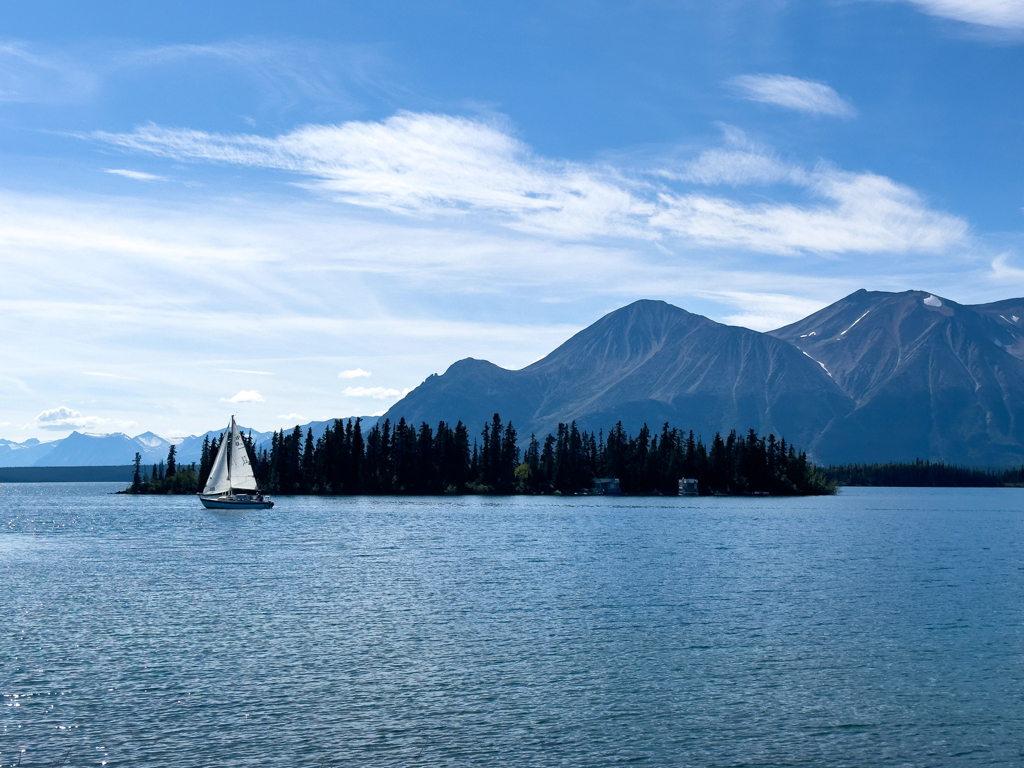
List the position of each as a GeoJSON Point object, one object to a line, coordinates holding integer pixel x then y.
{"type": "Point", "coordinates": [879, 627]}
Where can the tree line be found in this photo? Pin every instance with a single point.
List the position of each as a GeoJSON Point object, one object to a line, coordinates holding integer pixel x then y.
{"type": "Point", "coordinates": [165, 477]}
{"type": "Point", "coordinates": [446, 460]}
{"type": "Point", "coordinates": [404, 459]}
{"type": "Point", "coordinates": [923, 474]}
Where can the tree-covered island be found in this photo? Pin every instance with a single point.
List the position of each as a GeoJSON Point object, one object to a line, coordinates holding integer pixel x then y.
{"type": "Point", "coordinates": [431, 461]}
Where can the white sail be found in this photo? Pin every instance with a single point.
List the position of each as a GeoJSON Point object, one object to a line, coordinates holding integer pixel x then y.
{"type": "Point", "coordinates": [241, 476]}
{"type": "Point", "coordinates": [219, 481]}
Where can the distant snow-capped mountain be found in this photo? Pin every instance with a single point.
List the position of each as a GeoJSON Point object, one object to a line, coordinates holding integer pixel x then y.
{"type": "Point", "coordinates": [118, 449]}
{"type": "Point", "coordinates": [24, 454]}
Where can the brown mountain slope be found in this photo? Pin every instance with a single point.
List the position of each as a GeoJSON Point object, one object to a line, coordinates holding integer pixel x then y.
{"type": "Point", "coordinates": [647, 362]}
{"type": "Point", "coordinates": [930, 378]}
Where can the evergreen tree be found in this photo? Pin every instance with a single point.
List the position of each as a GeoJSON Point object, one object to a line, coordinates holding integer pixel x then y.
{"type": "Point", "coordinates": [385, 467]}
{"type": "Point", "coordinates": [509, 454]}
{"type": "Point", "coordinates": [370, 481]}
{"type": "Point", "coordinates": [308, 463]}
{"type": "Point", "coordinates": [460, 463]}
{"type": "Point", "coordinates": [356, 453]}
{"type": "Point", "coordinates": [205, 461]}
{"type": "Point", "coordinates": [425, 477]}
{"type": "Point", "coordinates": [547, 462]}
{"type": "Point", "coordinates": [137, 473]}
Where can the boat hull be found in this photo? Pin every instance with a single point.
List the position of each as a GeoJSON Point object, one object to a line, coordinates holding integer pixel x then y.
{"type": "Point", "coordinates": [237, 502]}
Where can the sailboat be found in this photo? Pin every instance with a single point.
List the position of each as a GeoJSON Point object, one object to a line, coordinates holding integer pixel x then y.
{"type": "Point", "coordinates": [232, 472]}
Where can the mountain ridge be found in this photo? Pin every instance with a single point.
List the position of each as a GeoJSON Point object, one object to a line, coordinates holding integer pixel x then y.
{"type": "Point", "coordinates": [647, 362]}
{"type": "Point", "coordinates": [949, 376]}
{"type": "Point", "coordinates": [875, 376]}
{"type": "Point", "coordinates": [118, 449]}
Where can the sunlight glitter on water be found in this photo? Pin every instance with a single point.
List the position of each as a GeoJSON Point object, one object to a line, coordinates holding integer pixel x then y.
{"type": "Point", "coordinates": [872, 628]}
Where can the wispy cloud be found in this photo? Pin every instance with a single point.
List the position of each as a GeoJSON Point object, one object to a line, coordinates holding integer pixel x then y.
{"type": "Point", "coordinates": [292, 417]}
{"type": "Point", "coordinates": [286, 75]}
{"type": "Point", "coordinates": [104, 375]}
{"type": "Point", "coordinates": [1004, 272]}
{"type": "Point", "coordinates": [427, 165]}
{"type": "Point", "coordinates": [767, 310]}
{"type": "Point", "coordinates": [999, 14]}
{"type": "Point", "coordinates": [738, 162]}
{"type": "Point", "coordinates": [357, 373]}
{"type": "Point", "coordinates": [853, 212]}
{"type": "Point", "coordinates": [31, 77]}
{"type": "Point", "coordinates": [423, 164]}
{"type": "Point", "coordinates": [245, 396]}
{"type": "Point", "coordinates": [377, 393]}
{"type": "Point", "coordinates": [859, 212]}
{"type": "Point", "coordinates": [136, 175]}
{"type": "Point", "coordinates": [242, 370]}
{"type": "Point", "coordinates": [794, 93]}
{"type": "Point", "coordinates": [15, 382]}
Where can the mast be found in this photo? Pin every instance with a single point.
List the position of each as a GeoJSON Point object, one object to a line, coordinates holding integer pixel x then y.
{"type": "Point", "coordinates": [230, 438]}
{"type": "Point", "coordinates": [242, 476]}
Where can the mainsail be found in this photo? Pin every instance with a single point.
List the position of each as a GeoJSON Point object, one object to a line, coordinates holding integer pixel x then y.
{"type": "Point", "coordinates": [241, 470]}
{"type": "Point", "coordinates": [231, 467]}
{"type": "Point", "coordinates": [219, 480]}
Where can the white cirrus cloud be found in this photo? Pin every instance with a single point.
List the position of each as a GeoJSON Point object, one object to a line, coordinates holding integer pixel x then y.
{"type": "Point", "coordinates": [859, 213]}
{"type": "Point", "coordinates": [136, 175]}
{"type": "Point", "coordinates": [739, 162]}
{"type": "Point", "coordinates": [245, 396]}
{"type": "Point", "coordinates": [357, 373]}
{"type": "Point", "coordinates": [850, 212]}
{"type": "Point", "coordinates": [287, 74]}
{"type": "Point", "coordinates": [15, 382]}
{"type": "Point", "coordinates": [432, 164]}
{"type": "Point", "coordinates": [794, 93]}
{"type": "Point", "coordinates": [63, 418]}
{"type": "Point", "coordinates": [104, 375]}
{"type": "Point", "coordinates": [423, 164]}
{"type": "Point", "coordinates": [999, 14]}
{"type": "Point", "coordinates": [740, 167]}
{"type": "Point", "coordinates": [291, 417]}
{"type": "Point", "coordinates": [377, 393]}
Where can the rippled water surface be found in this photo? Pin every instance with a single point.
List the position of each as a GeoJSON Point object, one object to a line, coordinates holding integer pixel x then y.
{"type": "Point", "coordinates": [879, 627]}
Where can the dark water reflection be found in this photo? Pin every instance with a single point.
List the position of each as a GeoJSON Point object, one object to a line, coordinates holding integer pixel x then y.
{"type": "Point", "coordinates": [880, 627]}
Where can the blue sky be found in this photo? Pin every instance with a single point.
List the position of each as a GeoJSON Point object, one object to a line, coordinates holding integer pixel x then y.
{"type": "Point", "coordinates": [299, 211]}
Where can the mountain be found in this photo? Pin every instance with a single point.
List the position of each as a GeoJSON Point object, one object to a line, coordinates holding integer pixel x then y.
{"type": "Point", "coordinates": [874, 377]}
{"type": "Point", "coordinates": [647, 362]}
{"type": "Point", "coordinates": [81, 449]}
{"type": "Point", "coordinates": [78, 449]}
{"type": "Point", "coordinates": [191, 448]}
{"type": "Point", "coordinates": [929, 378]}
{"type": "Point", "coordinates": [84, 450]}
{"type": "Point", "coordinates": [153, 443]}
{"type": "Point", "coordinates": [24, 454]}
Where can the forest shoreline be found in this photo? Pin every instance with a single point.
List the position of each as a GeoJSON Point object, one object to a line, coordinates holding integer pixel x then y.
{"type": "Point", "coordinates": [410, 461]}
